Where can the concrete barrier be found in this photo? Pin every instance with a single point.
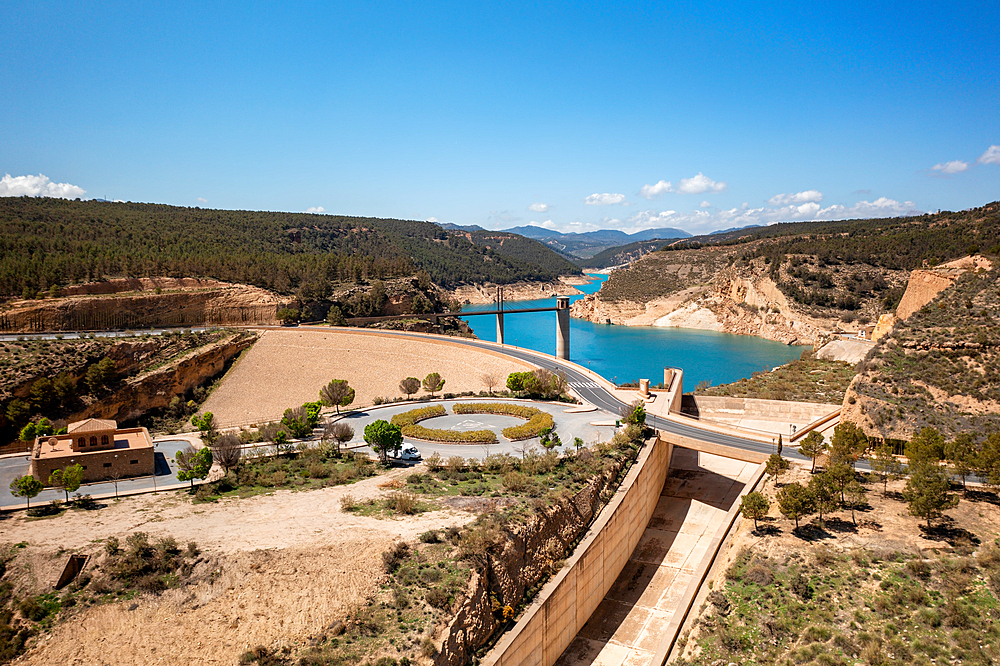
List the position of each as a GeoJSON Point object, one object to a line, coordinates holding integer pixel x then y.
{"type": "Point", "coordinates": [715, 449]}
{"type": "Point", "coordinates": [567, 601]}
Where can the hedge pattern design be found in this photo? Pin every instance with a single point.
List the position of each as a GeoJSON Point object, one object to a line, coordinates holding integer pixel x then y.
{"type": "Point", "coordinates": [538, 421]}
{"type": "Point", "coordinates": [407, 421]}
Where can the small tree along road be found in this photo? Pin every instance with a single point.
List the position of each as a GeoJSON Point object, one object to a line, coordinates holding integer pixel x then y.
{"type": "Point", "coordinates": [384, 437]}
{"type": "Point", "coordinates": [409, 386]}
{"type": "Point", "coordinates": [27, 487]}
{"type": "Point", "coordinates": [337, 394]}
{"type": "Point", "coordinates": [812, 446]}
{"type": "Point", "coordinates": [68, 479]}
{"type": "Point", "coordinates": [226, 451]}
{"type": "Point", "coordinates": [433, 383]}
{"type": "Point", "coordinates": [795, 501]}
{"type": "Point", "coordinates": [193, 464]}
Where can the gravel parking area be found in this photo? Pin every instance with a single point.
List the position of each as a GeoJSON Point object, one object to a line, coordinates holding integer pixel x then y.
{"type": "Point", "coordinates": [286, 368]}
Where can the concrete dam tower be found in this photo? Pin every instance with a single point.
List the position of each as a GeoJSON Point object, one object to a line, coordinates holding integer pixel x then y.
{"type": "Point", "coordinates": [562, 327]}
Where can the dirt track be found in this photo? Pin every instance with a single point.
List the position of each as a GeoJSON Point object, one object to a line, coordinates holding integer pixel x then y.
{"type": "Point", "coordinates": [286, 368]}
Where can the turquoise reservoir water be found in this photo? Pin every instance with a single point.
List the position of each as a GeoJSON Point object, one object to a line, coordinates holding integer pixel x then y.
{"type": "Point", "coordinates": [627, 353]}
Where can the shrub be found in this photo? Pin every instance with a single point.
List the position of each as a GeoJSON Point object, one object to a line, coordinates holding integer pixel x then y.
{"type": "Point", "coordinates": [348, 503]}
{"type": "Point", "coordinates": [438, 598]}
{"type": "Point", "coordinates": [392, 558]}
{"type": "Point", "coordinates": [514, 481]}
{"type": "Point", "coordinates": [404, 503]}
{"type": "Point", "coordinates": [538, 421]}
{"type": "Point", "coordinates": [436, 435]}
{"type": "Point", "coordinates": [434, 462]}
{"type": "Point", "coordinates": [415, 416]}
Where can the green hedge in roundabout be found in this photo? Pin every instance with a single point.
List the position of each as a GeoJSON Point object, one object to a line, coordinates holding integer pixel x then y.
{"type": "Point", "coordinates": [408, 421]}
{"type": "Point", "coordinates": [538, 421]}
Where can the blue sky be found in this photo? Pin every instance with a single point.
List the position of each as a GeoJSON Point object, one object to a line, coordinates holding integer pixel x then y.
{"type": "Point", "coordinates": [574, 116]}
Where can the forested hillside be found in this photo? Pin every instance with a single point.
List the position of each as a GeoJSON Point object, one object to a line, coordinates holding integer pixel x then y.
{"type": "Point", "coordinates": [46, 242]}
{"type": "Point", "coordinates": [901, 243]}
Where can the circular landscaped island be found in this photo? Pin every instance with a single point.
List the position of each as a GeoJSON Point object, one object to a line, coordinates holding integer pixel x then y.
{"type": "Point", "coordinates": [537, 423]}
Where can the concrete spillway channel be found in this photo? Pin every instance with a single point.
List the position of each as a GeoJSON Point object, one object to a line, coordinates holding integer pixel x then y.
{"type": "Point", "coordinates": [624, 594]}
{"type": "Point", "coordinates": [630, 623]}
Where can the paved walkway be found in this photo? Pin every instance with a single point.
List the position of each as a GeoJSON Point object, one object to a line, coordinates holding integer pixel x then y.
{"type": "Point", "coordinates": [626, 628]}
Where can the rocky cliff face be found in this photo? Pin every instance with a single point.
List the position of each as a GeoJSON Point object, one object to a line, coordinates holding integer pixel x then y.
{"type": "Point", "coordinates": [940, 366]}
{"type": "Point", "coordinates": [742, 300]}
{"type": "Point", "coordinates": [136, 303]}
{"type": "Point", "coordinates": [925, 284]}
{"type": "Point", "coordinates": [519, 291]}
{"type": "Point", "coordinates": [155, 389]}
{"type": "Point", "coordinates": [521, 560]}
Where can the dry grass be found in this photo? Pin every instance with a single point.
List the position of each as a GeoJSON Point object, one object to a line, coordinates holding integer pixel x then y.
{"type": "Point", "coordinates": [260, 598]}
{"type": "Point", "coordinates": [286, 368]}
{"type": "Point", "coordinates": [278, 569]}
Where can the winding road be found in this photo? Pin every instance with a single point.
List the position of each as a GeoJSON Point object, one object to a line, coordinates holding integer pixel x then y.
{"type": "Point", "coordinates": [595, 394]}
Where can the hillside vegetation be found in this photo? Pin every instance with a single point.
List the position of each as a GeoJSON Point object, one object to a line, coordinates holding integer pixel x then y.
{"type": "Point", "coordinates": [54, 242]}
{"type": "Point", "coordinates": [940, 367]}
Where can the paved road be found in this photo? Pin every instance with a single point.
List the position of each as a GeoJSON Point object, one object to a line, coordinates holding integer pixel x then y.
{"type": "Point", "coordinates": [597, 395]}
{"type": "Point", "coordinates": [166, 476]}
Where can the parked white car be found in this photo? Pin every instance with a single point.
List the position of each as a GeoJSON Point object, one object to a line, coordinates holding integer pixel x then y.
{"type": "Point", "coordinates": [409, 452]}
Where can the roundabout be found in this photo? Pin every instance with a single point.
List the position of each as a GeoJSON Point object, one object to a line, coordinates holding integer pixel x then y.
{"type": "Point", "coordinates": [447, 418]}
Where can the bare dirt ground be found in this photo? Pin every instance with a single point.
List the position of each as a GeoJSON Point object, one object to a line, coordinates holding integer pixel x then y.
{"type": "Point", "coordinates": [277, 569]}
{"type": "Point", "coordinates": [286, 368]}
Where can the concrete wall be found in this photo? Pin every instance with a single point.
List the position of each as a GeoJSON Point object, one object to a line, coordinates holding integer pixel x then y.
{"type": "Point", "coordinates": [721, 408]}
{"type": "Point", "coordinates": [567, 601]}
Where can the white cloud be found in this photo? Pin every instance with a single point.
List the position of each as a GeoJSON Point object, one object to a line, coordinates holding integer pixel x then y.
{"type": "Point", "coordinates": [954, 166]}
{"type": "Point", "coordinates": [605, 199]}
{"type": "Point", "coordinates": [991, 156]}
{"type": "Point", "coordinates": [700, 183]}
{"type": "Point", "coordinates": [547, 224]}
{"type": "Point", "coordinates": [809, 196]}
{"type": "Point", "coordinates": [315, 209]}
{"type": "Point", "coordinates": [433, 219]}
{"type": "Point", "coordinates": [653, 191]}
{"type": "Point", "coordinates": [37, 186]}
{"type": "Point", "coordinates": [202, 200]}
{"type": "Point", "coordinates": [538, 207]}
{"type": "Point", "coordinates": [706, 204]}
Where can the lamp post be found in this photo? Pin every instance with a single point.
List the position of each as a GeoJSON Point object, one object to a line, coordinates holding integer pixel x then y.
{"type": "Point", "coordinates": [154, 468]}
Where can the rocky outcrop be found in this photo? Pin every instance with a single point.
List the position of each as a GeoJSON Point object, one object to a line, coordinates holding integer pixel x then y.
{"type": "Point", "coordinates": [745, 302]}
{"type": "Point", "coordinates": [925, 284]}
{"type": "Point", "coordinates": [155, 389]}
{"type": "Point", "coordinates": [519, 291]}
{"type": "Point", "coordinates": [144, 303]}
{"type": "Point", "coordinates": [519, 561]}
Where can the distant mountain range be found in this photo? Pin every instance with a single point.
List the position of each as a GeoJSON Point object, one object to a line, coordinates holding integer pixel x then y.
{"type": "Point", "coordinates": [581, 246]}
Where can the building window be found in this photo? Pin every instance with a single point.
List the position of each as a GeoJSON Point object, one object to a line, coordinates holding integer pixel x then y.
{"type": "Point", "coordinates": [133, 462]}
{"type": "Point", "coordinates": [104, 440]}
{"type": "Point", "coordinates": [107, 464]}
{"type": "Point", "coordinates": [81, 442]}
{"type": "Point", "coordinates": [93, 441]}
